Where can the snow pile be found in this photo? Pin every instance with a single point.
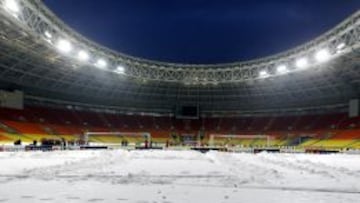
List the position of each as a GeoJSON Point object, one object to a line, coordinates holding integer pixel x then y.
{"type": "Point", "coordinates": [177, 176]}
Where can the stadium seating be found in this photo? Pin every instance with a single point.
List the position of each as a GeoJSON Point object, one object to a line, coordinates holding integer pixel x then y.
{"type": "Point", "coordinates": [323, 131]}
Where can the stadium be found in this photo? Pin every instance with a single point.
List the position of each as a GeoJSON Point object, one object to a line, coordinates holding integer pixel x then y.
{"type": "Point", "coordinates": [80, 122]}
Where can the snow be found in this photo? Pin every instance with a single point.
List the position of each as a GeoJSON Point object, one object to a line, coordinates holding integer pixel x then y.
{"type": "Point", "coordinates": [177, 176]}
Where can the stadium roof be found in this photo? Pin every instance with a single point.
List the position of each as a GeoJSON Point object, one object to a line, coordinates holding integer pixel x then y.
{"type": "Point", "coordinates": [46, 58]}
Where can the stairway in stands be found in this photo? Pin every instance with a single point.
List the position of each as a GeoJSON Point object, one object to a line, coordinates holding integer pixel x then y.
{"type": "Point", "coordinates": [13, 134]}
{"type": "Point", "coordinates": [8, 129]}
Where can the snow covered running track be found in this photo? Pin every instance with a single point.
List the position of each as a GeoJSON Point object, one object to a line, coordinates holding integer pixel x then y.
{"type": "Point", "coordinates": [177, 176]}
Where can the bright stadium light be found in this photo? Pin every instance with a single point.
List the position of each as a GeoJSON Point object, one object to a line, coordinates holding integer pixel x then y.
{"type": "Point", "coordinates": [340, 46]}
{"type": "Point", "coordinates": [12, 6]}
{"type": "Point", "coordinates": [48, 34]}
{"type": "Point", "coordinates": [282, 69]}
{"type": "Point", "coordinates": [120, 70]}
{"type": "Point", "coordinates": [263, 74]}
{"type": "Point", "coordinates": [83, 55]}
{"type": "Point", "coordinates": [302, 63]}
{"type": "Point", "coordinates": [322, 55]}
{"type": "Point", "coordinates": [101, 63]}
{"type": "Point", "coordinates": [64, 45]}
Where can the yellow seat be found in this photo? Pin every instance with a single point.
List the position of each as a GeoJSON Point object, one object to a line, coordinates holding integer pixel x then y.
{"type": "Point", "coordinates": [332, 143]}
{"type": "Point", "coordinates": [309, 143]}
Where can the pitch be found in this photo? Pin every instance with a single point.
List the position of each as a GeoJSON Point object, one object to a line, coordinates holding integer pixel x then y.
{"type": "Point", "coordinates": [177, 176]}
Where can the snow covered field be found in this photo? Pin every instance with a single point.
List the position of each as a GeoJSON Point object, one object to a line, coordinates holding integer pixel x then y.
{"type": "Point", "coordinates": [177, 176]}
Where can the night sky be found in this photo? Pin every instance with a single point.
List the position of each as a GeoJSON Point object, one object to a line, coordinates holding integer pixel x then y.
{"type": "Point", "coordinates": [202, 31]}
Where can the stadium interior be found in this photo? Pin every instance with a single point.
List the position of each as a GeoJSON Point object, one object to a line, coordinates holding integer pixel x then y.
{"type": "Point", "coordinates": [306, 97]}
{"type": "Point", "coordinates": [80, 122]}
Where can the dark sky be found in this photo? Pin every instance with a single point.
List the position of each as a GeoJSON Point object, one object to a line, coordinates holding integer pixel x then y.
{"type": "Point", "coordinates": [202, 31]}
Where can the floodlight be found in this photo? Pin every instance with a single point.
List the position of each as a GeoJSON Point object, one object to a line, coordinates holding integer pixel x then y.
{"type": "Point", "coordinates": [49, 41]}
{"type": "Point", "coordinates": [302, 63]}
{"type": "Point", "coordinates": [101, 63]}
{"type": "Point", "coordinates": [322, 55]}
{"type": "Point", "coordinates": [48, 34]}
{"type": "Point", "coordinates": [12, 6]}
{"type": "Point", "coordinates": [263, 73]}
{"type": "Point", "coordinates": [340, 46]}
{"type": "Point", "coordinates": [120, 69]}
{"type": "Point", "coordinates": [64, 45]}
{"type": "Point", "coordinates": [83, 55]}
{"type": "Point", "coordinates": [282, 69]}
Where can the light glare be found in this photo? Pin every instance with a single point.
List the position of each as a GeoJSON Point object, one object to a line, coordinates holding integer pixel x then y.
{"type": "Point", "coordinates": [64, 46]}
{"type": "Point", "coordinates": [120, 69]}
{"type": "Point", "coordinates": [322, 55]}
{"type": "Point", "coordinates": [83, 56]}
{"type": "Point", "coordinates": [340, 46]}
{"type": "Point", "coordinates": [101, 63]}
{"type": "Point", "coordinates": [281, 69]}
{"type": "Point", "coordinates": [263, 73]}
{"type": "Point", "coordinates": [302, 63]}
{"type": "Point", "coordinates": [48, 34]}
{"type": "Point", "coordinates": [12, 6]}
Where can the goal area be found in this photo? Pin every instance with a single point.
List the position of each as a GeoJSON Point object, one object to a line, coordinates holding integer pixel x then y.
{"type": "Point", "coordinates": [117, 138]}
{"type": "Point", "coordinates": [238, 140]}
